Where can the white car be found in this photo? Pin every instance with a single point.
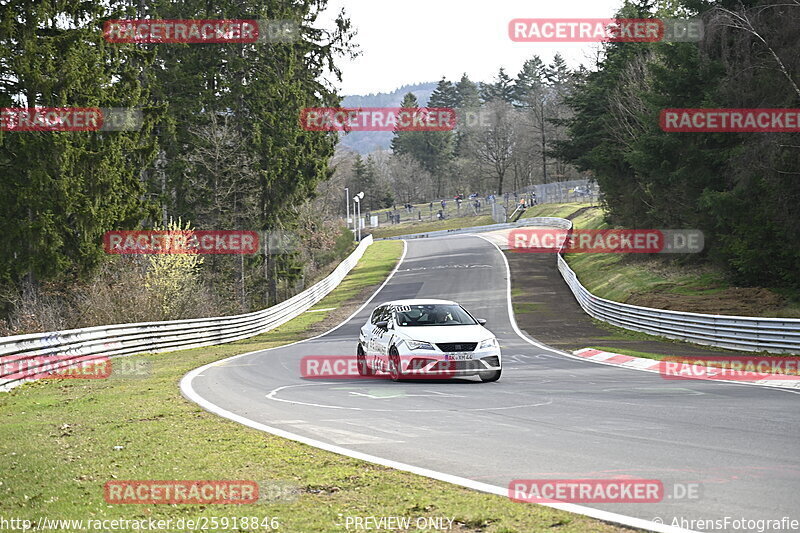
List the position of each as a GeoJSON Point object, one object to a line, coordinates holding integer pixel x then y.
{"type": "Point", "coordinates": [427, 339]}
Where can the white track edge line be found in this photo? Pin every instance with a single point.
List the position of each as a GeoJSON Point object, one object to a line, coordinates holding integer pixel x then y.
{"type": "Point", "coordinates": [556, 351]}
{"type": "Point", "coordinates": [190, 394]}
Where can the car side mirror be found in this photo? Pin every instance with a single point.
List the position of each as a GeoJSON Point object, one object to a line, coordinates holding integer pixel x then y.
{"type": "Point", "coordinates": [482, 321]}
{"type": "Point", "coordinates": [382, 324]}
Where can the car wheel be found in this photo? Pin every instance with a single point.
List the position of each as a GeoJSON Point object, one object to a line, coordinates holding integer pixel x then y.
{"type": "Point", "coordinates": [395, 370]}
{"type": "Point", "coordinates": [488, 377]}
{"type": "Point", "coordinates": [361, 361]}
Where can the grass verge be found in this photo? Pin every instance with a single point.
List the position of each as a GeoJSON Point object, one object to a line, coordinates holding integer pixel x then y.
{"type": "Point", "coordinates": [752, 360]}
{"type": "Point", "coordinates": [423, 227]}
{"type": "Point", "coordinates": [62, 440]}
{"type": "Point", "coordinates": [408, 228]}
{"type": "Point", "coordinates": [671, 282]}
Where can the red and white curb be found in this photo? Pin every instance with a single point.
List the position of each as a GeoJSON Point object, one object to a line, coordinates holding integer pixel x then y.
{"type": "Point", "coordinates": [704, 373]}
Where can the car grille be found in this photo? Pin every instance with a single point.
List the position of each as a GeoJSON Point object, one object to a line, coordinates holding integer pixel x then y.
{"type": "Point", "coordinates": [492, 361]}
{"type": "Point", "coordinates": [457, 346]}
{"type": "Point", "coordinates": [445, 366]}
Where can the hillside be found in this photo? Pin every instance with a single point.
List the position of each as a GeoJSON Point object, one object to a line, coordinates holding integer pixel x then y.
{"type": "Point", "coordinates": [365, 142]}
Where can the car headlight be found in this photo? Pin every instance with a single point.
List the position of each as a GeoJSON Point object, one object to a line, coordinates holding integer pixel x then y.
{"type": "Point", "coordinates": [488, 343]}
{"type": "Point", "coordinates": [419, 345]}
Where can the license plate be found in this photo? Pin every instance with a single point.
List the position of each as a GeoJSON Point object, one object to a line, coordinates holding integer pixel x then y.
{"type": "Point", "coordinates": [460, 356]}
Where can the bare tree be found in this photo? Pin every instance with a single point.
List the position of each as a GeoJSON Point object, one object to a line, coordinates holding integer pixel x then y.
{"type": "Point", "coordinates": [410, 181]}
{"type": "Point", "coordinates": [494, 142]}
{"type": "Point", "coordinates": [747, 20]}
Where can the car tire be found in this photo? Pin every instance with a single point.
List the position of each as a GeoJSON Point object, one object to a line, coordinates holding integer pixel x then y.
{"type": "Point", "coordinates": [488, 377]}
{"type": "Point", "coordinates": [395, 370]}
{"type": "Point", "coordinates": [361, 362]}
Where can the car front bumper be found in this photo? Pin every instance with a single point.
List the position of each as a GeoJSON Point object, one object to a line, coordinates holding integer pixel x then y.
{"type": "Point", "coordinates": [438, 364]}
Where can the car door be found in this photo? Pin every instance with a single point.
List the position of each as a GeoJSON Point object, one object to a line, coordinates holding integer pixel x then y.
{"type": "Point", "coordinates": [383, 337]}
{"type": "Point", "coordinates": [368, 334]}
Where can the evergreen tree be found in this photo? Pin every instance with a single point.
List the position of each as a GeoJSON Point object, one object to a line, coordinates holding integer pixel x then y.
{"type": "Point", "coordinates": [558, 74]}
{"type": "Point", "coordinates": [61, 191]}
{"type": "Point", "coordinates": [468, 95]}
{"type": "Point", "coordinates": [740, 189]}
{"type": "Point", "coordinates": [530, 83]}
{"type": "Point", "coordinates": [432, 149]}
{"type": "Point", "coordinates": [404, 142]}
{"type": "Point", "coordinates": [445, 95]}
{"type": "Point", "coordinates": [502, 89]}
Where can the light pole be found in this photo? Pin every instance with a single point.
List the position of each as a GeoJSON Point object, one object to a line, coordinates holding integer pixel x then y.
{"type": "Point", "coordinates": [357, 199]}
{"type": "Point", "coordinates": [347, 205]}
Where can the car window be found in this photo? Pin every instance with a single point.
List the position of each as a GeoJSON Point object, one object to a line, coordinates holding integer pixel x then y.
{"type": "Point", "coordinates": [433, 315]}
{"type": "Point", "coordinates": [386, 314]}
{"type": "Point", "coordinates": [377, 313]}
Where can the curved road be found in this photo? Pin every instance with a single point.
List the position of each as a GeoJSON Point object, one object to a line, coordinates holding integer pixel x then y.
{"type": "Point", "coordinates": [549, 416]}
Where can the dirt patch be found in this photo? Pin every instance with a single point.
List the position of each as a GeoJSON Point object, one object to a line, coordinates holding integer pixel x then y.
{"type": "Point", "coordinates": [744, 301]}
{"type": "Point", "coordinates": [550, 313]}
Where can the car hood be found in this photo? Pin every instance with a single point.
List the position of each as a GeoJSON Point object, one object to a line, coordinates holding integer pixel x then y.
{"type": "Point", "coordinates": [436, 334]}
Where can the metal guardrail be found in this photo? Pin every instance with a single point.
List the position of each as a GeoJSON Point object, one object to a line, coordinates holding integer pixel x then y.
{"type": "Point", "coordinates": [776, 335]}
{"type": "Point", "coordinates": [117, 340]}
{"type": "Point", "coordinates": [779, 335]}
{"type": "Point", "coordinates": [753, 334]}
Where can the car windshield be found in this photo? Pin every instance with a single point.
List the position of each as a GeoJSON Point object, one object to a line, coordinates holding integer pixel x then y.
{"type": "Point", "coordinates": [432, 315]}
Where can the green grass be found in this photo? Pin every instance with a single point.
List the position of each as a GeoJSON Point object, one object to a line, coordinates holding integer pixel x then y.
{"type": "Point", "coordinates": [527, 307]}
{"type": "Point", "coordinates": [722, 363]}
{"type": "Point", "coordinates": [408, 228]}
{"type": "Point", "coordinates": [376, 264]}
{"type": "Point", "coordinates": [554, 210]}
{"type": "Point", "coordinates": [633, 353]}
{"type": "Point", "coordinates": [617, 277]}
{"type": "Point", "coordinates": [424, 227]}
{"type": "Point", "coordinates": [620, 334]}
{"type": "Point", "coordinates": [607, 276]}
{"type": "Point", "coordinates": [62, 440]}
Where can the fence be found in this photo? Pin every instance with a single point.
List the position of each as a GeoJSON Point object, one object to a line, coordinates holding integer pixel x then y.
{"type": "Point", "coordinates": [565, 191]}
{"type": "Point", "coordinates": [581, 190]}
{"type": "Point", "coordinates": [153, 337]}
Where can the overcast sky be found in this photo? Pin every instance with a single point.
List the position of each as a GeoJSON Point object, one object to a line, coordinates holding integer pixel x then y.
{"type": "Point", "coordinates": [412, 41]}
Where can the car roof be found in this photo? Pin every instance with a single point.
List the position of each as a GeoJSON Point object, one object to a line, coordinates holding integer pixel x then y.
{"type": "Point", "coordinates": [419, 301]}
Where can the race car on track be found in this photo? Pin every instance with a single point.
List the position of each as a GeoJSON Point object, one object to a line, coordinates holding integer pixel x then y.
{"type": "Point", "coordinates": [413, 339]}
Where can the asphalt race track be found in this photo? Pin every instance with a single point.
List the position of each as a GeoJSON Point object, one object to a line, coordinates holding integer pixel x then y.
{"type": "Point", "coordinates": [549, 416]}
